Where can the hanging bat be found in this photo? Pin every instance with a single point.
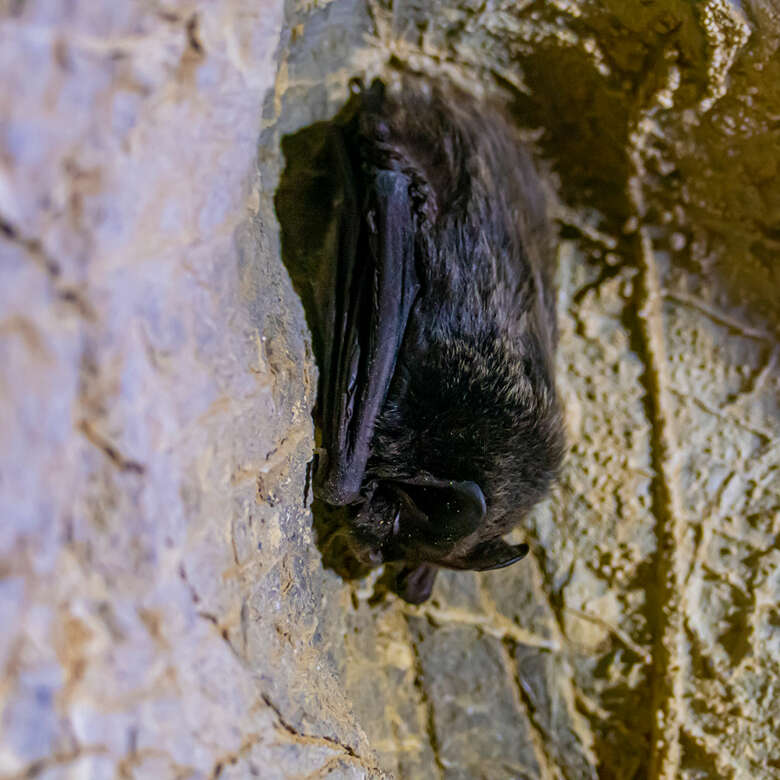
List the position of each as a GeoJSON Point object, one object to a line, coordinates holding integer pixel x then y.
{"type": "Point", "coordinates": [431, 302]}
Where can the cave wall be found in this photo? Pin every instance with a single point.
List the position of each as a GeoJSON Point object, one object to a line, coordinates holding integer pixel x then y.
{"type": "Point", "coordinates": [165, 609]}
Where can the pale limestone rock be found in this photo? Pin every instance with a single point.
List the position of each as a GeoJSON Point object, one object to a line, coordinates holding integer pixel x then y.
{"type": "Point", "coordinates": [160, 619]}
{"type": "Point", "coordinates": [165, 609]}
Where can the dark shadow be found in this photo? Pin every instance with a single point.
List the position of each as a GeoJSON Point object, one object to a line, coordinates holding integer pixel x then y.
{"type": "Point", "coordinates": [309, 206]}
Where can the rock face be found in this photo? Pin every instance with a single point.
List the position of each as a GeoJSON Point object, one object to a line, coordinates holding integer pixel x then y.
{"type": "Point", "coordinates": [164, 606]}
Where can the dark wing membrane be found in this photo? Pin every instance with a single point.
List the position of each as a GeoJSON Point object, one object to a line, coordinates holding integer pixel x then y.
{"type": "Point", "coordinates": [439, 512]}
{"type": "Point", "coordinates": [375, 288]}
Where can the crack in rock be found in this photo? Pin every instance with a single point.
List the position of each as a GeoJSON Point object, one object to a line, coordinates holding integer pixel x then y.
{"type": "Point", "coordinates": [348, 752]}
{"type": "Point", "coordinates": [122, 462]}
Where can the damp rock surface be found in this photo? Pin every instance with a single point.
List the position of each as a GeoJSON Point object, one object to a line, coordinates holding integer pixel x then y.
{"type": "Point", "coordinates": [164, 606]}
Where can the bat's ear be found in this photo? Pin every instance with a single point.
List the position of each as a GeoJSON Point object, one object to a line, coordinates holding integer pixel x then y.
{"type": "Point", "coordinates": [442, 511]}
{"type": "Point", "coordinates": [415, 584]}
{"type": "Point", "coordinates": [495, 554]}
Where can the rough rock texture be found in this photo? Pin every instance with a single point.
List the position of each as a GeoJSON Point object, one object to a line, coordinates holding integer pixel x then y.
{"type": "Point", "coordinates": [165, 611]}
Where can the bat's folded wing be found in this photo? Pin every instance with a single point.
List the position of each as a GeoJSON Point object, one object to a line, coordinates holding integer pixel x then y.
{"type": "Point", "coordinates": [375, 289]}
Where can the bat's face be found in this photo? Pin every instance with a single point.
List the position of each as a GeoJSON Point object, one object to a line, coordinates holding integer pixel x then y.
{"type": "Point", "coordinates": [428, 523]}
{"type": "Point", "coordinates": [490, 422]}
{"type": "Point", "coordinates": [433, 325]}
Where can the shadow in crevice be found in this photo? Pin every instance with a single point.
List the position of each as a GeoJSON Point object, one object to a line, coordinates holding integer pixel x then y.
{"type": "Point", "coordinates": [332, 529]}
{"type": "Point", "coordinates": [311, 201]}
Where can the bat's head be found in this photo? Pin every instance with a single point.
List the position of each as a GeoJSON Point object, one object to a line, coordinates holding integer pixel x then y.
{"type": "Point", "coordinates": [431, 295]}
{"type": "Point", "coordinates": [427, 523]}
{"type": "Point", "coordinates": [469, 440]}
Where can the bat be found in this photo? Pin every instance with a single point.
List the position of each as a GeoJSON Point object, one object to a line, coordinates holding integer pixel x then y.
{"type": "Point", "coordinates": [425, 262]}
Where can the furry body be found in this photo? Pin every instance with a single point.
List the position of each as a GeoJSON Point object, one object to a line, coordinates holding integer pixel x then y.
{"type": "Point", "coordinates": [464, 433]}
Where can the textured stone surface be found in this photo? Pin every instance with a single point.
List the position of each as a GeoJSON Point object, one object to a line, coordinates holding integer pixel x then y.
{"type": "Point", "coordinates": [165, 610]}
